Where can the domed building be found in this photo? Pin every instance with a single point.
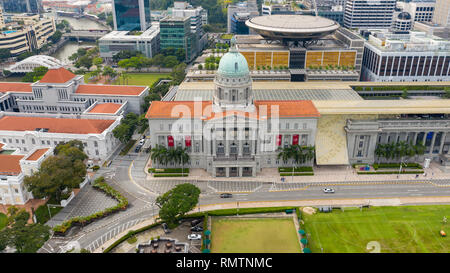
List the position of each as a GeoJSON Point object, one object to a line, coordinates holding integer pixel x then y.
{"type": "Point", "coordinates": [232, 135]}
{"type": "Point", "coordinates": [402, 22]}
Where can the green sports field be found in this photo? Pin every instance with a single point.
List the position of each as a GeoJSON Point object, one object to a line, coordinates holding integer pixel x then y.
{"type": "Point", "coordinates": [254, 235]}
{"type": "Point", "coordinates": [142, 78]}
{"type": "Point", "coordinates": [410, 229]}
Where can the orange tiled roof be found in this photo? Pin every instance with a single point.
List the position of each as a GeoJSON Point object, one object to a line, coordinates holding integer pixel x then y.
{"type": "Point", "coordinates": [54, 125]}
{"type": "Point", "coordinates": [15, 87]}
{"type": "Point", "coordinates": [37, 154]}
{"type": "Point", "coordinates": [178, 109]}
{"type": "Point", "coordinates": [1, 146]}
{"type": "Point", "coordinates": [292, 108]}
{"type": "Point", "coordinates": [173, 109]}
{"type": "Point", "coordinates": [106, 108]}
{"type": "Point", "coordinates": [10, 164]}
{"type": "Point", "coordinates": [110, 89]}
{"type": "Point", "coordinates": [60, 75]}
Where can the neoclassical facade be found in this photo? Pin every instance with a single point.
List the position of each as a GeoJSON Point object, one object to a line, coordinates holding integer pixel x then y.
{"type": "Point", "coordinates": [233, 134]}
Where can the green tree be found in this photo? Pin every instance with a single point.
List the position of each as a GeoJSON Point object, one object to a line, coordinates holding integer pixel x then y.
{"type": "Point", "coordinates": [56, 37]}
{"type": "Point", "coordinates": [170, 61]}
{"type": "Point", "coordinates": [61, 172]}
{"type": "Point", "coordinates": [97, 61]}
{"type": "Point", "coordinates": [175, 203]}
{"type": "Point", "coordinates": [84, 61]}
{"type": "Point", "coordinates": [405, 93]}
{"type": "Point", "coordinates": [26, 238]}
{"type": "Point", "coordinates": [73, 149]}
{"type": "Point", "coordinates": [4, 53]}
{"type": "Point", "coordinates": [178, 73]}
{"type": "Point", "coordinates": [124, 131]}
{"type": "Point", "coordinates": [180, 54]}
{"type": "Point", "coordinates": [37, 74]}
{"type": "Point", "coordinates": [447, 93]}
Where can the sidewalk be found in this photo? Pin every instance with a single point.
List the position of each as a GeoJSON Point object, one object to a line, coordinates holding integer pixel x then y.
{"type": "Point", "coordinates": [321, 174]}
{"type": "Point", "coordinates": [300, 203]}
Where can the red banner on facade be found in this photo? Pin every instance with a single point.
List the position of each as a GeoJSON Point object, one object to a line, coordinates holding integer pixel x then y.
{"type": "Point", "coordinates": [187, 141]}
{"type": "Point", "coordinates": [295, 140]}
{"type": "Point", "coordinates": [279, 140]}
{"type": "Point", "coordinates": [170, 141]}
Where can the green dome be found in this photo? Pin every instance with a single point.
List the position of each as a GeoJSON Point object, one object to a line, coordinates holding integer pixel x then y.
{"type": "Point", "coordinates": [233, 64]}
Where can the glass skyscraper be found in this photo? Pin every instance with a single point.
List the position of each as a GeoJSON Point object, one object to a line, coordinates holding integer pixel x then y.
{"type": "Point", "coordinates": [131, 14]}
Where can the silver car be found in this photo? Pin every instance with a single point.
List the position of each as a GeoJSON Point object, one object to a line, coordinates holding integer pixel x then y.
{"type": "Point", "coordinates": [328, 190]}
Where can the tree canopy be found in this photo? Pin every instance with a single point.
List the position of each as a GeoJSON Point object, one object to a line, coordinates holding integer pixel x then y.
{"type": "Point", "coordinates": [26, 238]}
{"type": "Point", "coordinates": [61, 172]}
{"type": "Point", "coordinates": [177, 202]}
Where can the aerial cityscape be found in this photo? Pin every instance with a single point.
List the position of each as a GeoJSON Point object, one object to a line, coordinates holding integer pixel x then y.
{"type": "Point", "coordinates": [224, 126]}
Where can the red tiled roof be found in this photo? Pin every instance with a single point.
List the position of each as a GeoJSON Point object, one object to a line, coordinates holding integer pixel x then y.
{"type": "Point", "coordinates": [110, 89]}
{"type": "Point", "coordinates": [60, 75]}
{"type": "Point", "coordinates": [106, 108]}
{"type": "Point", "coordinates": [54, 125]}
{"type": "Point", "coordinates": [288, 108]}
{"type": "Point", "coordinates": [37, 154]}
{"type": "Point", "coordinates": [1, 146]}
{"type": "Point", "coordinates": [177, 109]}
{"type": "Point", "coordinates": [15, 87]}
{"type": "Point", "coordinates": [10, 164]}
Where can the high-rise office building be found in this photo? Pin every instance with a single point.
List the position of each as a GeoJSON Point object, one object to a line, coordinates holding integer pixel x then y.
{"type": "Point", "coordinates": [131, 15]}
{"type": "Point", "coordinates": [442, 13]}
{"type": "Point", "coordinates": [369, 13]}
{"type": "Point", "coordinates": [175, 32]}
{"type": "Point", "coordinates": [420, 10]}
{"type": "Point", "coordinates": [21, 6]}
{"type": "Point", "coordinates": [241, 7]}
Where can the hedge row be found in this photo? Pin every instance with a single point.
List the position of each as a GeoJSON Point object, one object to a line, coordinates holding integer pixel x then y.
{"type": "Point", "coordinates": [397, 165]}
{"type": "Point", "coordinates": [223, 212]}
{"type": "Point", "coordinates": [170, 175]}
{"type": "Point", "coordinates": [131, 233]}
{"type": "Point", "coordinates": [392, 172]}
{"type": "Point", "coordinates": [296, 174]}
{"type": "Point", "coordinates": [99, 184]}
{"type": "Point", "coordinates": [399, 88]}
{"type": "Point", "coordinates": [169, 170]}
{"type": "Point", "coordinates": [297, 169]}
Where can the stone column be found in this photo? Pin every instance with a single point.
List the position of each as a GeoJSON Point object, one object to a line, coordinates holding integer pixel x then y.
{"type": "Point", "coordinates": [424, 139]}
{"type": "Point", "coordinates": [432, 142]}
{"type": "Point", "coordinates": [227, 171]}
{"type": "Point", "coordinates": [415, 138]}
{"type": "Point", "coordinates": [444, 135]}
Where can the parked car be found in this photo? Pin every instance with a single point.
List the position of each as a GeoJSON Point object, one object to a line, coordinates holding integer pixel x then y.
{"type": "Point", "coordinates": [194, 236]}
{"type": "Point", "coordinates": [166, 228]}
{"type": "Point", "coordinates": [328, 190]}
{"type": "Point", "coordinates": [142, 141]}
{"type": "Point", "coordinates": [138, 148]}
{"type": "Point", "coordinates": [226, 195]}
{"type": "Point", "coordinates": [197, 228]}
{"type": "Point", "coordinates": [195, 222]}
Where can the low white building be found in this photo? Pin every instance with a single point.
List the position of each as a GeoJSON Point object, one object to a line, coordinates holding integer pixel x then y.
{"type": "Point", "coordinates": [61, 91]}
{"type": "Point", "coordinates": [30, 63]}
{"type": "Point", "coordinates": [13, 168]}
{"type": "Point", "coordinates": [24, 132]}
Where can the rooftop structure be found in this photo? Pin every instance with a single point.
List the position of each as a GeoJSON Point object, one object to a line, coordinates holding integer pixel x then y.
{"type": "Point", "coordinates": [28, 64]}
{"type": "Point", "coordinates": [292, 27]}
{"type": "Point", "coordinates": [146, 42]}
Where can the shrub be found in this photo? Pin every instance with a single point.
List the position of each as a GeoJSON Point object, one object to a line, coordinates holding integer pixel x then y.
{"type": "Point", "coordinates": [296, 174]}
{"type": "Point", "coordinates": [169, 170]}
{"type": "Point", "coordinates": [170, 175]}
{"type": "Point", "coordinates": [132, 240]}
{"type": "Point", "coordinates": [392, 172]}
{"type": "Point", "coordinates": [297, 169]}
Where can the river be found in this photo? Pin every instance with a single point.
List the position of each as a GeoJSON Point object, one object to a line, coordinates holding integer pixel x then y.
{"type": "Point", "coordinates": [71, 47]}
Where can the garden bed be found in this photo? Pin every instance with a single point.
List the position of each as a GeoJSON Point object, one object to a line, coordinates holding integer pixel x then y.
{"type": "Point", "coordinates": [170, 175]}
{"type": "Point", "coordinates": [99, 184]}
{"type": "Point", "coordinates": [168, 170]}
{"type": "Point", "coordinates": [298, 171]}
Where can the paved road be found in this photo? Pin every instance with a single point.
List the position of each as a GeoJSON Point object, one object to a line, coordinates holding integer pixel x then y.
{"type": "Point", "coordinates": [126, 174]}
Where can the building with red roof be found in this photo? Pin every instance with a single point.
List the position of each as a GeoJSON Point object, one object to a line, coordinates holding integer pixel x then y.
{"type": "Point", "coordinates": [61, 91]}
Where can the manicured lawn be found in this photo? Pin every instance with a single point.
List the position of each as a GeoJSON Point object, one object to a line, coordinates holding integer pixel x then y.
{"type": "Point", "coordinates": [402, 229]}
{"type": "Point", "coordinates": [142, 78]}
{"type": "Point", "coordinates": [3, 220]}
{"type": "Point", "coordinates": [258, 235]}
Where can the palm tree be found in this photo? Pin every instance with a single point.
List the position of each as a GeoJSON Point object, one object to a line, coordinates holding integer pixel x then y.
{"type": "Point", "coordinates": [184, 157]}
{"type": "Point", "coordinates": [159, 154]}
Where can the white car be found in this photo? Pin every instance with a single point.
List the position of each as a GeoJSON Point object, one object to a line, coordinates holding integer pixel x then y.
{"type": "Point", "coordinates": [327, 190]}
{"type": "Point", "coordinates": [194, 236]}
{"type": "Point", "coordinates": [142, 141]}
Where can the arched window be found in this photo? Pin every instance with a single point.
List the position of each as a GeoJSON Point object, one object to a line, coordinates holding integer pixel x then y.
{"type": "Point", "coordinates": [236, 66]}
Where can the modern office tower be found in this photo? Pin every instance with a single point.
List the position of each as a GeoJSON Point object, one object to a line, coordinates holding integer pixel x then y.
{"type": "Point", "coordinates": [413, 56]}
{"type": "Point", "coordinates": [131, 15]}
{"type": "Point", "coordinates": [442, 13]}
{"type": "Point", "coordinates": [238, 23]}
{"type": "Point", "coordinates": [241, 7]}
{"type": "Point", "coordinates": [420, 10]}
{"type": "Point", "coordinates": [175, 32]}
{"type": "Point", "coordinates": [199, 17]}
{"type": "Point", "coordinates": [275, 8]}
{"type": "Point", "coordinates": [22, 6]}
{"type": "Point", "coordinates": [369, 13]}
{"type": "Point", "coordinates": [402, 21]}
